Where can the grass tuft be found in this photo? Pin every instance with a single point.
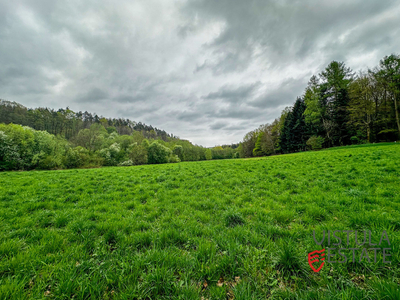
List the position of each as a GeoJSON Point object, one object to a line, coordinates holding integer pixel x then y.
{"type": "Point", "coordinates": [233, 218]}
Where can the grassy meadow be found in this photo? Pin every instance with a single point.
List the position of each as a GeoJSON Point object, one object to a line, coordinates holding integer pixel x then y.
{"type": "Point", "coordinates": [225, 229]}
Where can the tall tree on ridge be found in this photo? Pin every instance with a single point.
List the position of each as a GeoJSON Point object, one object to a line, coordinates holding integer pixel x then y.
{"type": "Point", "coordinates": [313, 111]}
{"type": "Point", "coordinates": [335, 97]}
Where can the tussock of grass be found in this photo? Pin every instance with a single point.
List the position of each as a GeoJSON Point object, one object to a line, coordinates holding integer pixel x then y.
{"type": "Point", "coordinates": [233, 218]}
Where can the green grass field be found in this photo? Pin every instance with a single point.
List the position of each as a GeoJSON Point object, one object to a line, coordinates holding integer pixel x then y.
{"type": "Point", "coordinates": [227, 229]}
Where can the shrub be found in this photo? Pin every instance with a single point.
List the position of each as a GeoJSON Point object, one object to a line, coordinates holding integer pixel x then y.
{"type": "Point", "coordinates": [178, 151]}
{"type": "Point", "coordinates": [257, 151]}
{"type": "Point", "coordinates": [45, 162]}
{"type": "Point", "coordinates": [158, 154]}
{"type": "Point", "coordinates": [315, 142]}
{"type": "Point", "coordinates": [20, 144]}
{"type": "Point", "coordinates": [111, 155]}
{"type": "Point", "coordinates": [208, 154]}
{"type": "Point", "coordinates": [72, 159]}
{"type": "Point", "coordinates": [9, 156]}
{"type": "Point", "coordinates": [137, 154]}
{"type": "Point", "coordinates": [174, 159]}
{"type": "Point", "coordinates": [23, 148]}
{"type": "Point", "coordinates": [88, 159]}
{"type": "Point", "coordinates": [126, 163]}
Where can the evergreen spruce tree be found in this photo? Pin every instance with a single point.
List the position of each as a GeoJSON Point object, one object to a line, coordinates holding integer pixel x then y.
{"type": "Point", "coordinates": [286, 136]}
{"type": "Point", "coordinates": [299, 129]}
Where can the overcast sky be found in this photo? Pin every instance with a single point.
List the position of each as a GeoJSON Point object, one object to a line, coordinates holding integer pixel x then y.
{"type": "Point", "coordinates": [205, 70]}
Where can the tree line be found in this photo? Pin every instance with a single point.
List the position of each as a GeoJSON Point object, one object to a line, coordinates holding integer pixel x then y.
{"type": "Point", "coordinates": [42, 138]}
{"type": "Point", "coordinates": [68, 124]}
{"type": "Point", "coordinates": [337, 108]}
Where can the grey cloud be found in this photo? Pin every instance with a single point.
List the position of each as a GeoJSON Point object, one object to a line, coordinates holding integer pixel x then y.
{"type": "Point", "coordinates": [233, 94]}
{"type": "Point", "coordinates": [285, 94]}
{"type": "Point", "coordinates": [134, 113]}
{"type": "Point", "coordinates": [236, 127]}
{"type": "Point", "coordinates": [184, 30]}
{"type": "Point", "coordinates": [188, 116]}
{"type": "Point", "coordinates": [205, 70]}
{"type": "Point", "coordinates": [93, 95]}
{"type": "Point", "coordinates": [218, 125]}
{"type": "Point", "coordinates": [201, 67]}
{"type": "Point", "coordinates": [284, 31]}
{"type": "Point", "coordinates": [127, 99]}
{"type": "Point", "coordinates": [236, 112]}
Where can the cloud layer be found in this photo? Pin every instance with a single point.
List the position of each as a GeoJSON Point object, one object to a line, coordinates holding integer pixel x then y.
{"type": "Point", "coordinates": [205, 70]}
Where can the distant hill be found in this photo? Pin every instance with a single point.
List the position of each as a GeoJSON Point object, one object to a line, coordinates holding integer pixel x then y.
{"type": "Point", "coordinates": [67, 123]}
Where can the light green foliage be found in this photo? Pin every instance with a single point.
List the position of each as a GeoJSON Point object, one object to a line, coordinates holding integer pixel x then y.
{"type": "Point", "coordinates": [220, 152]}
{"type": "Point", "coordinates": [48, 150]}
{"type": "Point", "coordinates": [88, 158]}
{"type": "Point", "coordinates": [44, 142]}
{"type": "Point", "coordinates": [262, 141]}
{"type": "Point", "coordinates": [124, 141]}
{"type": "Point", "coordinates": [208, 154]}
{"type": "Point", "coordinates": [162, 231]}
{"type": "Point", "coordinates": [337, 76]}
{"type": "Point", "coordinates": [42, 161]}
{"type": "Point", "coordinates": [111, 155]}
{"type": "Point", "coordinates": [24, 148]}
{"type": "Point", "coordinates": [190, 152]}
{"type": "Point", "coordinates": [173, 159]}
{"type": "Point", "coordinates": [137, 137]}
{"type": "Point", "coordinates": [21, 142]}
{"type": "Point", "coordinates": [257, 151]}
{"type": "Point", "coordinates": [313, 112]}
{"type": "Point", "coordinates": [240, 151]}
{"type": "Point", "coordinates": [92, 138]}
{"type": "Point", "coordinates": [9, 156]}
{"type": "Point", "coordinates": [315, 142]}
{"type": "Point", "coordinates": [126, 163]}
{"type": "Point", "coordinates": [158, 153]}
{"type": "Point", "coordinates": [72, 158]}
{"type": "Point", "coordinates": [146, 144]}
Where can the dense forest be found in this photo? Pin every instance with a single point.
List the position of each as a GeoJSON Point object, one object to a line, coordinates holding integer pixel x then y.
{"type": "Point", "coordinates": [338, 107]}
{"type": "Point", "coordinates": [68, 124]}
{"type": "Point", "coordinates": [43, 138]}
